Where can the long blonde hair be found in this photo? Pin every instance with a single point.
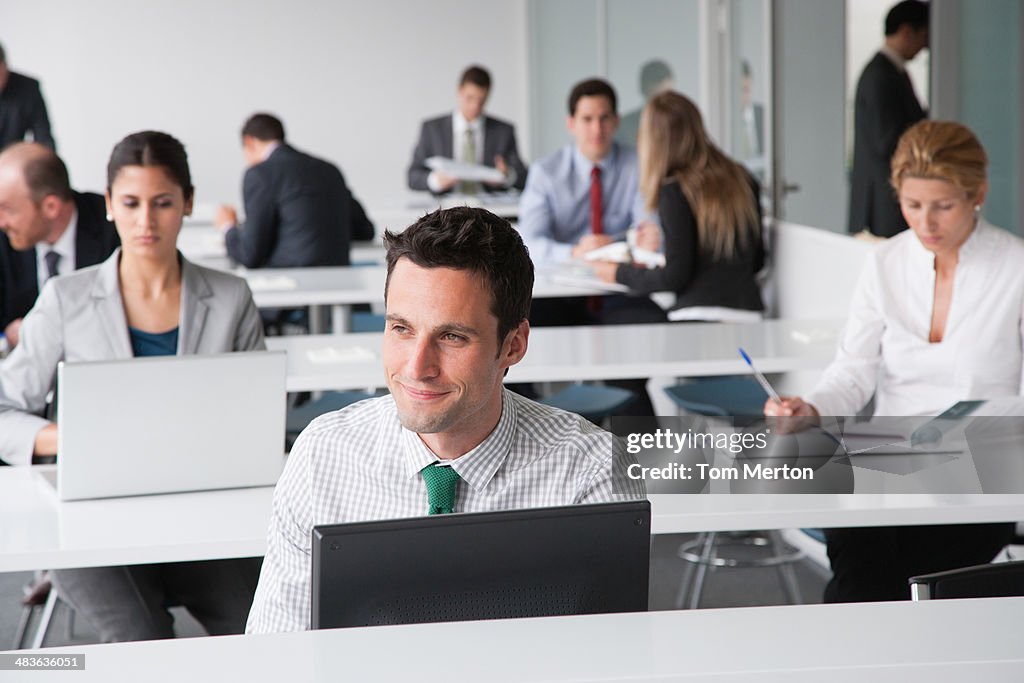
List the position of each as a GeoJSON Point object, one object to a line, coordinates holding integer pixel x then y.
{"type": "Point", "coordinates": [673, 143]}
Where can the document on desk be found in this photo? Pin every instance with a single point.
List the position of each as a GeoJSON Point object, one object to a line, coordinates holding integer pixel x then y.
{"type": "Point", "coordinates": [329, 355]}
{"type": "Point", "coordinates": [461, 170]}
{"type": "Point", "coordinates": [271, 283]}
{"type": "Point", "coordinates": [620, 252]}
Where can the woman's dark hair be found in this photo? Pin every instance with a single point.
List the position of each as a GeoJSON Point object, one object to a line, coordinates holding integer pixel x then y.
{"type": "Point", "coordinates": [152, 148]}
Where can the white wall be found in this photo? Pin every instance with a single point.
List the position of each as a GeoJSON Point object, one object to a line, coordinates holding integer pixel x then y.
{"type": "Point", "coordinates": [351, 80]}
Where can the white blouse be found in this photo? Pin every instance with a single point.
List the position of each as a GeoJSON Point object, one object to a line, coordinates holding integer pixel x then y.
{"type": "Point", "coordinates": [885, 350]}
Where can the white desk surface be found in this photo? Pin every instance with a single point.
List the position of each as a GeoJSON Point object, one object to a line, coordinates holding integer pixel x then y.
{"type": "Point", "coordinates": [41, 532]}
{"type": "Point", "coordinates": [340, 285]}
{"type": "Point", "coordinates": [592, 352]}
{"type": "Point", "coordinates": [939, 641]}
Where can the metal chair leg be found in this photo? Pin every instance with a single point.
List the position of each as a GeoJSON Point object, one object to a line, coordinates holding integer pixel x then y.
{"type": "Point", "coordinates": [787, 573]}
{"type": "Point", "coordinates": [707, 556]}
{"type": "Point", "coordinates": [44, 620]}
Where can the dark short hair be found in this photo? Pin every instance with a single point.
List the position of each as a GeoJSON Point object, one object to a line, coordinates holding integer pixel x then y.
{"type": "Point", "coordinates": [46, 174]}
{"type": "Point", "coordinates": [3, 55]}
{"type": "Point", "coordinates": [651, 75]}
{"type": "Point", "coordinates": [152, 148]}
{"type": "Point", "coordinates": [476, 240]}
{"type": "Point", "coordinates": [477, 75]}
{"type": "Point", "coordinates": [592, 87]}
{"type": "Point", "coordinates": [913, 12]}
{"type": "Point", "coordinates": [264, 127]}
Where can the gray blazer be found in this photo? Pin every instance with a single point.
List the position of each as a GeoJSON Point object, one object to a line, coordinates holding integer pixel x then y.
{"type": "Point", "coordinates": [80, 316]}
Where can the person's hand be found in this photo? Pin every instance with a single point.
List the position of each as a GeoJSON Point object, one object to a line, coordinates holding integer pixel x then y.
{"type": "Point", "coordinates": [589, 243]}
{"type": "Point", "coordinates": [46, 441]}
{"type": "Point", "coordinates": [225, 217]}
{"type": "Point", "coordinates": [792, 414]}
{"type": "Point", "coordinates": [606, 270]}
{"type": "Point", "coordinates": [499, 164]}
{"type": "Point", "coordinates": [648, 236]}
{"type": "Point", "coordinates": [442, 181]}
{"type": "Point", "coordinates": [13, 332]}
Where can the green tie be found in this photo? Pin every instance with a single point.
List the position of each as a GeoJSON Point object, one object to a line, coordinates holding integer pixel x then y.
{"type": "Point", "coordinates": [441, 482]}
{"type": "Point", "coordinates": [468, 156]}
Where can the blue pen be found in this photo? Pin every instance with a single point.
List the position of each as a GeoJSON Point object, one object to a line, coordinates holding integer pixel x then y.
{"type": "Point", "coordinates": [761, 378]}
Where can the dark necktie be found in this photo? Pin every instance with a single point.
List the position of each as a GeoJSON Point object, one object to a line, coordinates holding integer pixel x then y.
{"type": "Point", "coordinates": [596, 204]}
{"type": "Point", "coordinates": [441, 482]}
{"type": "Point", "coordinates": [52, 258]}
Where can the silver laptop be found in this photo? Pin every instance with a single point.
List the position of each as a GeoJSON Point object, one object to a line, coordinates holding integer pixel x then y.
{"type": "Point", "coordinates": [169, 424]}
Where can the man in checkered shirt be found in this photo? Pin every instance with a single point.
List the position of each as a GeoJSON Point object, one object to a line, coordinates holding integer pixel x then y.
{"type": "Point", "coordinates": [458, 295]}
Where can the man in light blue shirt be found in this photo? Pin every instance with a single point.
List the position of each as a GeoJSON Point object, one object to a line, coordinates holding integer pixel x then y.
{"type": "Point", "coordinates": [557, 209]}
{"type": "Point", "coordinates": [581, 198]}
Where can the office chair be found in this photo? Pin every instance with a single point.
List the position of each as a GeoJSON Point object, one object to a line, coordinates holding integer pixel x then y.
{"type": "Point", "coordinates": [300, 417]}
{"type": "Point", "coordinates": [742, 400]}
{"type": "Point", "coordinates": [593, 401]}
{"type": "Point", "coordinates": [999, 580]}
{"type": "Point", "coordinates": [40, 594]}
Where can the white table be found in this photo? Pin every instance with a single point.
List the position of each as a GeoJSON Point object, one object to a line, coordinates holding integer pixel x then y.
{"type": "Point", "coordinates": [589, 353]}
{"type": "Point", "coordinates": [41, 532]}
{"type": "Point", "coordinates": [338, 287]}
{"type": "Point", "coordinates": [938, 642]}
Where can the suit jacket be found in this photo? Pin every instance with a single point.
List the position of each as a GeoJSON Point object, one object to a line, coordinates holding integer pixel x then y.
{"type": "Point", "coordinates": [95, 240]}
{"type": "Point", "coordinates": [22, 109]}
{"type": "Point", "coordinates": [80, 317]}
{"type": "Point", "coordinates": [885, 106]}
{"type": "Point", "coordinates": [436, 141]}
{"type": "Point", "coordinates": [298, 212]}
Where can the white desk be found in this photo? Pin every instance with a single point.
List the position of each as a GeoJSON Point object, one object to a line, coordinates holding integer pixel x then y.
{"type": "Point", "coordinates": [938, 642]}
{"type": "Point", "coordinates": [41, 532]}
{"type": "Point", "coordinates": [592, 353]}
{"type": "Point", "coordinates": [341, 286]}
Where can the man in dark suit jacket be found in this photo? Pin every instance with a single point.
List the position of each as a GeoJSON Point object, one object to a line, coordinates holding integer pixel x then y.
{"type": "Point", "coordinates": [40, 213]}
{"type": "Point", "coordinates": [22, 109]}
{"type": "Point", "coordinates": [299, 211]}
{"type": "Point", "coordinates": [885, 106]}
{"type": "Point", "coordinates": [457, 136]}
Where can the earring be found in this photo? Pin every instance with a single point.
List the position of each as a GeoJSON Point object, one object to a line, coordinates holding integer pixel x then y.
{"type": "Point", "coordinates": [110, 219]}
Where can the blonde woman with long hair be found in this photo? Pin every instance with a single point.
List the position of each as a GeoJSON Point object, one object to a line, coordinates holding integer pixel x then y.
{"type": "Point", "coordinates": [709, 214]}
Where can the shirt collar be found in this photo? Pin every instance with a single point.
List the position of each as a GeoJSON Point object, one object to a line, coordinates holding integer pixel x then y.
{"type": "Point", "coordinates": [476, 467]}
{"type": "Point", "coordinates": [65, 244]}
{"type": "Point", "coordinates": [968, 251]}
{"type": "Point", "coordinates": [894, 57]}
{"type": "Point", "coordinates": [584, 165]}
{"type": "Point", "coordinates": [461, 124]}
{"type": "Point", "coordinates": [270, 150]}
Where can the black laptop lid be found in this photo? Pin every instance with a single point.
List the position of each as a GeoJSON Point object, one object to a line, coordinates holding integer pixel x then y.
{"type": "Point", "coordinates": [579, 559]}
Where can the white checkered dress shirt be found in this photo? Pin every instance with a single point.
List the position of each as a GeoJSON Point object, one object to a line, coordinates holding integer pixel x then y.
{"type": "Point", "coordinates": [360, 464]}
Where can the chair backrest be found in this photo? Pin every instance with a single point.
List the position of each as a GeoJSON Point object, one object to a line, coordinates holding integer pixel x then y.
{"type": "Point", "coordinates": [999, 580]}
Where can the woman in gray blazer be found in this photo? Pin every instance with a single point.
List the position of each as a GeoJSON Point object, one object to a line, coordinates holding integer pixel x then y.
{"type": "Point", "coordinates": [146, 299]}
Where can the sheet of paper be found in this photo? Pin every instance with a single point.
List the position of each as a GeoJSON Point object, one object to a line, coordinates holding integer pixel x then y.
{"type": "Point", "coordinates": [266, 283]}
{"type": "Point", "coordinates": [339, 354]}
{"type": "Point", "coordinates": [465, 171]}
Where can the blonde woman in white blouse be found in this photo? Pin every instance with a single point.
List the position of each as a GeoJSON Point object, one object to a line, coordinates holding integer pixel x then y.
{"type": "Point", "coordinates": [937, 317]}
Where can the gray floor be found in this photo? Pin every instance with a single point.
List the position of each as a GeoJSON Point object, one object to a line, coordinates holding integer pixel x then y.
{"type": "Point", "coordinates": [723, 588]}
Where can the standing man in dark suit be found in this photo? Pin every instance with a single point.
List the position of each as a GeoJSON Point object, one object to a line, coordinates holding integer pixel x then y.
{"type": "Point", "coordinates": [48, 229]}
{"type": "Point", "coordinates": [470, 136]}
{"type": "Point", "coordinates": [885, 106]}
{"type": "Point", "coordinates": [22, 109]}
{"type": "Point", "coordinates": [298, 210]}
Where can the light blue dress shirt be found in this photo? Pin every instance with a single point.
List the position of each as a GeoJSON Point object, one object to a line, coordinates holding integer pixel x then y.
{"type": "Point", "coordinates": [554, 210]}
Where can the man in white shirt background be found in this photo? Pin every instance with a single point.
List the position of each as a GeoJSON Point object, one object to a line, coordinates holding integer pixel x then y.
{"type": "Point", "coordinates": [48, 229]}
{"type": "Point", "coordinates": [467, 135]}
